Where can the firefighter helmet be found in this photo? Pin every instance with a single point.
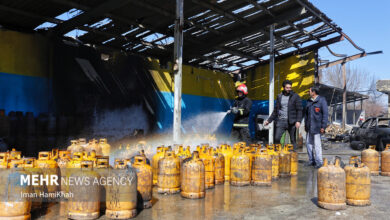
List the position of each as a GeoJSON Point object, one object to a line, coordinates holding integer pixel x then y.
{"type": "Point", "coordinates": [242, 88]}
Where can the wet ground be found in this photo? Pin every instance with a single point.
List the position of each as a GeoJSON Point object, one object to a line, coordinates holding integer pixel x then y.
{"type": "Point", "coordinates": [287, 198]}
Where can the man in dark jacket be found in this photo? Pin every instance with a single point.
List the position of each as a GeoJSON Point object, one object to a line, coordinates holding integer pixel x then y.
{"type": "Point", "coordinates": [241, 109]}
{"type": "Point", "coordinates": [316, 120]}
{"type": "Point", "coordinates": [287, 113]}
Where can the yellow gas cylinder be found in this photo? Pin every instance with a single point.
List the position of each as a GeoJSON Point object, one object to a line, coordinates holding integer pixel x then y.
{"type": "Point", "coordinates": [14, 154]}
{"type": "Point", "coordinates": [179, 150]}
{"type": "Point", "coordinates": [385, 161]}
{"type": "Point", "coordinates": [251, 153]}
{"type": "Point", "coordinates": [284, 162]}
{"type": "Point", "coordinates": [3, 160]}
{"type": "Point", "coordinates": [275, 161]}
{"type": "Point", "coordinates": [122, 199]}
{"type": "Point", "coordinates": [209, 168]}
{"type": "Point", "coordinates": [370, 157]}
{"type": "Point", "coordinates": [91, 156]}
{"type": "Point", "coordinates": [13, 205]}
{"type": "Point", "coordinates": [358, 183]}
{"type": "Point", "coordinates": [144, 181]}
{"type": "Point", "coordinates": [85, 202]}
{"type": "Point", "coordinates": [62, 162]}
{"type": "Point", "coordinates": [29, 165]}
{"type": "Point", "coordinates": [105, 147]}
{"type": "Point", "coordinates": [49, 167]}
{"type": "Point", "coordinates": [240, 169]}
{"type": "Point", "coordinates": [54, 154]}
{"type": "Point", "coordinates": [73, 166]}
{"type": "Point", "coordinates": [219, 164]}
{"type": "Point", "coordinates": [74, 147]}
{"type": "Point", "coordinates": [331, 186]}
{"type": "Point", "coordinates": [102, 168]}
{"type": "Point", "coordinates": [63, 158]}
{"type": "Point", "coordinates": [156, 158]}
{"type": "Point", "coordinates": [193, 178]}
{"type": "Point", "coordinates": [76, 160]}
{"type": "Point", "coordinates": [188, 152]}
{"type": "Point", "coordinates": [168, 176]}
{"type": "Point", "coordinates": [293, 159]}
{"type": "Point", "coordinates": [262, 169]}
{"type": "Point", "coordinates": [198, 149]}
{"type": "Point", "coordinates": [15, 163]}
{"type": "Point", "coordinates": [227, 153]}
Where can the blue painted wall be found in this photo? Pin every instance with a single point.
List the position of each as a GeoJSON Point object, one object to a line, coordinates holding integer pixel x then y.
{"type": "Point", "coordinates": [24, 93]}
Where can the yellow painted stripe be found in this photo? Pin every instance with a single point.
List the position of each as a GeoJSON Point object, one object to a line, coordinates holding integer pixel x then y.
{"type": "Point", "coordinates": [24, 54]}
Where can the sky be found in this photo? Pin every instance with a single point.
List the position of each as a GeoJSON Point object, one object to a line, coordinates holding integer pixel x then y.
{"type": "Point", "coordinates": [367, 23]}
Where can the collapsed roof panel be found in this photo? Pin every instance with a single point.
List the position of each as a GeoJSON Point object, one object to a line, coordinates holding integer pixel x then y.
{"type": "Point", "coordinates": [239, 28]}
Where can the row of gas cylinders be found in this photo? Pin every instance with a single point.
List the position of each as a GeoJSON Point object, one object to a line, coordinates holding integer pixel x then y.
{"type": "Point", "coordinates": [377, 162]}
{"type": "Point", "coordinates": [338, 187]}
{"type": "Point", "coordinates": [88, 201]}
{"type": "Point", "coordinates": [191, 174]}
{"type": "Point", "coordinates": [101, 147]}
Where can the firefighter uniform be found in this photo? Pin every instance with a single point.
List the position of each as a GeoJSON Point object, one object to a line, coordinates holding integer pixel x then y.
{"type": "Point", "coordinates": [241, 109]}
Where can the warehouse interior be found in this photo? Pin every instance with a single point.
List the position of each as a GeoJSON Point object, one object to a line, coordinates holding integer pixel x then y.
{"type": "Point", "coordinates": [104, 68]}
{"type": "Point", "coordinates": [163, 73]}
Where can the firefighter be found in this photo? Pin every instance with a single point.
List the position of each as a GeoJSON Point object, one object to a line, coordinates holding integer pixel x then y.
{"type": "Point", "coordinates": [241, 109]}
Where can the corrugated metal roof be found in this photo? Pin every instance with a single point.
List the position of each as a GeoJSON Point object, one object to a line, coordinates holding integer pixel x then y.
{"type": "Point", "coordinates": [217, 34]}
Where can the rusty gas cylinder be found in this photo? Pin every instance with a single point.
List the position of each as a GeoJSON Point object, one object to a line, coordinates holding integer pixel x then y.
{"type": "Point", "coordinates": [209, 168]}
{"type": "Point", "coordinates": [144, 181]}
{"type": "Point", "coordinates": [284, 162]}
{"type": "Point", "coordinates": [29, 166]}
{"type": "Point", "coordinates": [331, 186]}
{"type": "Point", "coordinates": [62, 161]}
{"type": "Point", "coordinates": [85, 202]}
{"type": "Point", "coordinates": [168, 176]}
{"type": "Point", "coordinates": [358, 183]}
{"type": "Point", "coordinates": [48, 167]}
{"type": "Point", "coordinates": [385, 161]}
{"type": "Point", "coordinates": [193, 178]}
{"type": "Point", "coordinates": [122, 198]}
{"type": "Point", "coordinates": [156, 158]}
{"type": "Point", "coordinates": [275, 161]}
{"type": "Point", "coordinates": [370, 157]}
{"type": "Point", "coordinates": [227, 152]}
{"type": "Point", "coordinates": [240, 169]}
{"type": "Point", "coordinates": [13, 203]}
{"type": "Point", "coordinates": [262, 169]}
{"type": "Point", "coordinates": [219, 166]}
{"type": "Point", "coordinates": [102, 168]}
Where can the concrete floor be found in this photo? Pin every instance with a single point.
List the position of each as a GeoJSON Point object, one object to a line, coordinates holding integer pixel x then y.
{"type": "Point", "coordinates": [287, 198]}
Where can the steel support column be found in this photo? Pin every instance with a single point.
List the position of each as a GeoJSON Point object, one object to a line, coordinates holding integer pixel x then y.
{"type": "Point", "coordinates": [177, 70]}
{"type": "Point", "coordinates": [271, 83]}
{"type": "Point", "coordinates": [344, 117]}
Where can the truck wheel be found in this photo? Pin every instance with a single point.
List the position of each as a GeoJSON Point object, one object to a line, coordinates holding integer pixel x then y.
{"type": "Point", "coordinates": [358, 145]}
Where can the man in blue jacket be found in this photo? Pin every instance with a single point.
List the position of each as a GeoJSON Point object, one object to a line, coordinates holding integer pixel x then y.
{"type": "Point", "coordinates": [316, 120]}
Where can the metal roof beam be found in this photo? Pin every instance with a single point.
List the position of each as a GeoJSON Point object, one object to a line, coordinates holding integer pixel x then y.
{"type": "Point", "coordinates": [234, 34]}
{"type": "Point", "coordinates": [85, 17]}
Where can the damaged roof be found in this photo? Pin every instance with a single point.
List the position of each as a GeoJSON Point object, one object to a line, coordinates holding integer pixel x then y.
{"type": "Point", "coordinates": [220, 34]}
